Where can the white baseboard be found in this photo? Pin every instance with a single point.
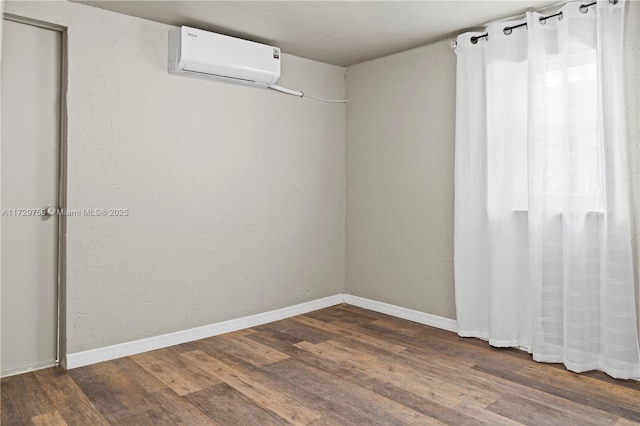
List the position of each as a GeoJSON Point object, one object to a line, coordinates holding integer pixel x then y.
{"type": "Point", "coordinates": [107, 353]}
{"type": "Point", "coordinates": [404, 313]}
{"type": "Point", "coordinates": [80, 359]}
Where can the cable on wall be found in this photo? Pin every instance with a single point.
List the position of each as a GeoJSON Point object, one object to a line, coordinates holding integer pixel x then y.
{"type": "Point", "coordinates": [302, 95]}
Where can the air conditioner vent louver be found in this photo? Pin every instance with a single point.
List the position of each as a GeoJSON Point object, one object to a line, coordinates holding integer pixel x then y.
{"type": "Point", "coordinates": [215, 76]}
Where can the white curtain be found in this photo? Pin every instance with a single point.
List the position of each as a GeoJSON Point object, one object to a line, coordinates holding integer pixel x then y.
{"type": "Point", "coordinates": [542, 218]}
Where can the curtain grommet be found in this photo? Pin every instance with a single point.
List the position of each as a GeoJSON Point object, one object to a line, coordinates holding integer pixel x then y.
{"type": "Point", "coordinates": [474, 39]}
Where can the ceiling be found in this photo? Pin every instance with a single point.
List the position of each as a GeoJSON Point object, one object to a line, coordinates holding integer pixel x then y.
{"type": "Point", "coordinates": [335, 32]}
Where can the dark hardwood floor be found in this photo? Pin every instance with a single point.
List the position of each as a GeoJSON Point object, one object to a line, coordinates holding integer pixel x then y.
{"type": "Point", "coordinates": [341, 365]}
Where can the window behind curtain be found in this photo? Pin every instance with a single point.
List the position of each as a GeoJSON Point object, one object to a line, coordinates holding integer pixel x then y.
{"type": "Point", "coordinates": [571, 135]}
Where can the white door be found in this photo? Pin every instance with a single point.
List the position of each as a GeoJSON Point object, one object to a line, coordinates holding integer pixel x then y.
{"type": "Point", "coordinates": [31, 80]}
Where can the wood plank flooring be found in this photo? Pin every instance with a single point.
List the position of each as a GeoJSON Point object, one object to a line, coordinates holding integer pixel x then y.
{"type": "Point", "coordinates": [341, 365]}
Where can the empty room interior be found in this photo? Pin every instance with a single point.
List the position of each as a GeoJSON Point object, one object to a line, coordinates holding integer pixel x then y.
{"type": "Point", "coordinates": [320, 212]}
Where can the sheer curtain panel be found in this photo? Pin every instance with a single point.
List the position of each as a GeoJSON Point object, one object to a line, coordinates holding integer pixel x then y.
{"type": "Point", "coordinates": [543, 256]}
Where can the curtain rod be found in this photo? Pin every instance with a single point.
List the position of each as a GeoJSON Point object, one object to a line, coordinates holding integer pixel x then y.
{"type": "Point", "coordinates": [584, 8]}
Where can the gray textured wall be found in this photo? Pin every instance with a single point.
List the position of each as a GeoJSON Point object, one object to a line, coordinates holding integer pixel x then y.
{"type": "Point", "coordinates": [400, 146]}
{"type": "Point", "coordinates": [236, 194]}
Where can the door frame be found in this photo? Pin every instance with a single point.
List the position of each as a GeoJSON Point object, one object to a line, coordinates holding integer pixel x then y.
{"type": "Point", "coordinates": [61, 273]}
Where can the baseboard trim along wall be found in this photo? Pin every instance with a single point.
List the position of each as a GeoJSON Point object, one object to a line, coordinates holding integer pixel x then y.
{"type": "Point", "coordinates": [404, 313]}
{"type": "Point", "coordinates": [80, 359]}
{"type": "Point", "coordinates": [120, 350]}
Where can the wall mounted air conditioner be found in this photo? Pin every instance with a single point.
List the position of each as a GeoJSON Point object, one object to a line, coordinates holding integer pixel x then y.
{"type": "Point", "coordinates": [208, 55]}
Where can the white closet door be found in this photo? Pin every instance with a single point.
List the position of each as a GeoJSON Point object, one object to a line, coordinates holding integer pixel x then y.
{"type": "Point", "coordinates": [31, 76]}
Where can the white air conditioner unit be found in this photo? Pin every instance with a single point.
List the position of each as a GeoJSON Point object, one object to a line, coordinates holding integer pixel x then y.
{"type": "Point", "coordinates": [204, 54]}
